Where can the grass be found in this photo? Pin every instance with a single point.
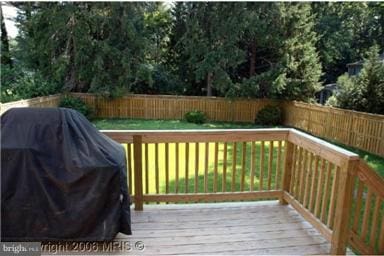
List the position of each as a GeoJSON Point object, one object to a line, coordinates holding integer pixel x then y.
{"type": "Point", "coordinates": [376, 162]}
{"type": "Point", "coordinates": [188, 179]}
{"type": "Point", "coordinates": [197, 167]}
{"type": "Point", "coordinates": [142, 124]}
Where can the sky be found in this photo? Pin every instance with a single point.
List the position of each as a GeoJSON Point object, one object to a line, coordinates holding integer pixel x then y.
{"type": "Point", "coordinates": [9, 13]}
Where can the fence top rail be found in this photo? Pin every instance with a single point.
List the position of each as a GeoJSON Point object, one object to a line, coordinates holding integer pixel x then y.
{"type": "Point", "coordinates": [24, 102]}
{"type": "Point", "coordinates": [335, 110]}
{"type": "Point", "coordinates": [183, 97]}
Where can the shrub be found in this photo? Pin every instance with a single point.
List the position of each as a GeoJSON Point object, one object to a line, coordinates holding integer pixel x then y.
{"type": "Point", "coordinates": [364, 92]}
{"type": "Point", "coordinates": [195, 116]}
{"type": "Point", "coordinates": [332, 102]}
{"type": "Point", "coordinates": [18, 84]}
{"type": "Point", "coordinates": [269, 115]}
{"type": "Point", "coordinates": [76, 104]}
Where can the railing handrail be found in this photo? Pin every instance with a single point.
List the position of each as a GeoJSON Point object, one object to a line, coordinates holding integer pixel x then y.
{"type": "Point", "coordinates": [199, 131]}
{"type": "Point", "coordinates": [332, 147]}
{"type": "Point", "coordinates": [328, 151]}
{"type": "Point", "coordinates": [209, 135]}
{"type": "Point", "coordinates": [310, 142]}
{"type": "Point", "coordinates": [366, 173]}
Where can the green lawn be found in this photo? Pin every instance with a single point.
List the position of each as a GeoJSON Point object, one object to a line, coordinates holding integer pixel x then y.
{"type": "Point", "coordinates": [374, 161]}
{"type": "Point", "coordinates": [196, 162]}
{"type": "Point", "coordinates": [198, 168]}
{"type": "Point", "coordinates": [143, 124]}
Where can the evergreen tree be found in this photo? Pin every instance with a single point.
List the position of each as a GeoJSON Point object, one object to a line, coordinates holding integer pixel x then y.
{"type": "Point", "coordinates": [301, 69]}
{"type": "Point", "coordinates": [371, 80]}
{"type": "Point", "coordinates": [177, 57]}
{"type": "Point", "coordinates": [261, 34]}
{"type": "Point", "coordinates": [158, 25]}
{"type": "Point", "coordinates": [233, 49]}
{"type": "Point", "coordinates": [97, 47]}
{"type": "Point", "coordinates": [210, 42]}
{"type": "Point", "coordinates": [262, 38]}
{"type": "Point", "coordinates": [5, 54]}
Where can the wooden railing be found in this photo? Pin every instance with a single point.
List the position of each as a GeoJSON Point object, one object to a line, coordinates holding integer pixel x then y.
{"type": "Point", "coordinates": [329, 186]}
{"type": "Point", "coordinates": [367, 227]}
{"type": "Point", "coordinates": [196, 166]}
{"type": "Point", "coordinates": [320, 185]}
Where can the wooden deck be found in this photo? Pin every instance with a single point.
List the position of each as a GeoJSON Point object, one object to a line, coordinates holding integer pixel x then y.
{"type": "Point", "coordinates": [264, 227]}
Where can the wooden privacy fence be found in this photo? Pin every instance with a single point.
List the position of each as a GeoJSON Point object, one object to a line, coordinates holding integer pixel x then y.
{"type": "Point", "coordinates": [329, 186]}
{"type": "Point", "coordinates": [39, 102]}
{"type": "Point", "coordinates": [360, 130]}
{"type": "Point", "coordinates": [175, 107]}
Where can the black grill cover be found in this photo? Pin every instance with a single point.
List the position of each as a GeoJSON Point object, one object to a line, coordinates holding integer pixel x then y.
{"type": "Point", "coordinates": [61, 179]}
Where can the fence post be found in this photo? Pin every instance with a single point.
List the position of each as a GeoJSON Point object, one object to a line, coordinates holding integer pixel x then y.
{"type": "Point", "coordinates": [327, 124]}
{"type": "Point", "coordinates": [288, 163]}
{"type": "Point", "coordinates": [138, 177]}
{"type": "Point", "coordinates": [350, 130]}
{"type": "Point", "coordinates": [343, 207]}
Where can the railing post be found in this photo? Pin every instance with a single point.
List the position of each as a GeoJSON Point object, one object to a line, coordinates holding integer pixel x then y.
{"type": "Point", "coordinates": [343, 207]}
{"type": "Point", "coordinates": [138, 177]}
{"type": "Point", "coordinates": [288, 163]}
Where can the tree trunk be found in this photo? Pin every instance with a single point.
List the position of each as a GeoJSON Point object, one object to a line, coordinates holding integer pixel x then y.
{"type": "Point", "coordinates": [209, 84]}
{"type": "Point", "coordinates": [5, 55]}
{"type": "Point", "coordinates": [252, 58]}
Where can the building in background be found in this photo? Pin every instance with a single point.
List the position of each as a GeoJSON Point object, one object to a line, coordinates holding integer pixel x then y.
{"type": "Point", "coordinates": [355, 67]}
{"type": "Point", "coordinates": [330, 89]}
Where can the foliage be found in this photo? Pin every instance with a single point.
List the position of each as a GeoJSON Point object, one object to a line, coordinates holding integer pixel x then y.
{"type": "Point", "coordinates": [18, 84]}
{"type": "Point", "coordinates": [210, 43]}
{"type": "Point", "coordinates": [332, 101]}
{"type": "Point", "coordinates": [195, 116]}
{"type": "Point", "coordinates": [301, 69]}
{"type": "Point", "coordinates": [233, 49]}
{"type": "Point", "coordinates": [96, 47]}
{"type": "Point", "coordinates": [161, 80]}
{"type": "Point", "coordinates": [364, 92]}
{"type": "Point", "coordinates": [262, 38]}
{"type": "Point", "coordinates": [76, 104]}
{"type": "Point", "coordinates": [269, 115]}
{"type": "Point", "coordinates": [348, 94]}
{"type": "Point", "coordinates": [157, 22]}
{"type": "Point", "coordinates": [5, 54]}
{"type": "Point", "coordinates": [371, 80]}
{"type": "Point", "coordinates": [346, 31]}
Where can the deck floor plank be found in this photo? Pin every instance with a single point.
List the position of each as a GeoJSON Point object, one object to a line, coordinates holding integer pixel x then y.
{"type": "Point", "coordinates": [241, 228]}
